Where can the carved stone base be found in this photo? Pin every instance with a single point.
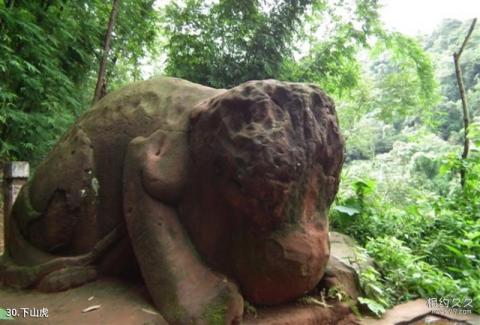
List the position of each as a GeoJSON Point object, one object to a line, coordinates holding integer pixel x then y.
{"type": "Point", "coordinates": [123, 303]}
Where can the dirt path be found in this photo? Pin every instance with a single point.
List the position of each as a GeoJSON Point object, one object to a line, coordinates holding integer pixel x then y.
{"type": "Point", "coordinates": [120, 304]}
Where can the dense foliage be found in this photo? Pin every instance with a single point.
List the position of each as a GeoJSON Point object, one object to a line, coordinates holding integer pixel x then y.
{"type": "Point", "coordinates": [401, 197]}
{"type": "Point", "coordinates": [224, 43]}
{"type": "Point", "coordinates": [49, 54]}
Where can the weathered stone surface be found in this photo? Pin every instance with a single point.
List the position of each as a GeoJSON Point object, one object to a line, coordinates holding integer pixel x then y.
{"type": "Point", "coordinates": [16, 169]}
{"type": "Point", "coordinates": [210, 194]}
{"type": "Point", "coordinates": [343, 267]}
{"type": "Point", "coordinates": [270, 155]}
{"type": "Point", "coordinates": [14, 176]}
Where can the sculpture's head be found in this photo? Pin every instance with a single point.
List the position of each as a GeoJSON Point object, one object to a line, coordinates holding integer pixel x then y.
{"type": "Point", "coordinates": [265, 162]}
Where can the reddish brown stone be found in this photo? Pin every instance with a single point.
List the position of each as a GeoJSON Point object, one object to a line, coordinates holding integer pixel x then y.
{"type": "Point", "coordinates": [270, 155]}
{"type": "Point", "coordinates": [212, 194]}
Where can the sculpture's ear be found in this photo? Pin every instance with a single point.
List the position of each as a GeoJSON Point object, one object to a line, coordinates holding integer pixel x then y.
{"type": "Point", "coordinates": [161, 160]}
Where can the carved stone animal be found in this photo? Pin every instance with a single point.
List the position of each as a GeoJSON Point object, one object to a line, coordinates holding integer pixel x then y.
{"type": "Point", "coordinates": [213, 194]}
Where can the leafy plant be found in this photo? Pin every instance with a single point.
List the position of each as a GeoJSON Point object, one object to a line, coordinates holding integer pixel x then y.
{"type": "Point", "coordinates": [429, 248]}
{"type": "Point", "coordinates": [224, 43]}
{"type": "Point", "coordinates": [4, 315]}
{"type": "Point", "coordinates": [48, 60]}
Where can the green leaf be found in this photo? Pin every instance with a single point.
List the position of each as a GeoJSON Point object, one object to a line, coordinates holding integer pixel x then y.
{"type": "Point", "coordinates": [351, 211]}
{"type": "Point", "coordinates": [373, 306]}
{"type": "Point", "coordinates": [4, 315]}
{"type": "Point", "coordinates": [453, 250]}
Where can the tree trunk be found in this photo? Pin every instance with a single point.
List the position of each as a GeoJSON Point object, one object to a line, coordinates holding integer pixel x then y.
{"type": "Point", "coordinates": [461, 88]}
{"type": "Point", "coordinates": [100, 88]}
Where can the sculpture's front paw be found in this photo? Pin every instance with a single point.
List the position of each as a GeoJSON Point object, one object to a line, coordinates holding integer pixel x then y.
{"type": "Point", "coordinates": [212, 302]}
{"type": "Point", "coordinates": [224, 308]}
